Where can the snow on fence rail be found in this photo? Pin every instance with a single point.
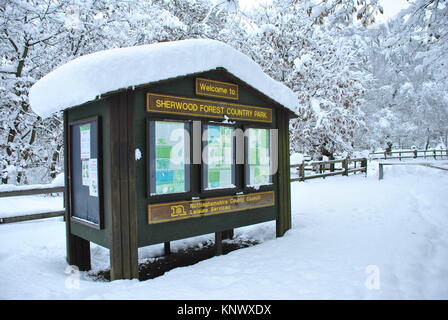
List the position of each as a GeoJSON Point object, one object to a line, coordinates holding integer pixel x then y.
{"type": "Point", "coordinates": [425, 164]}
{"type": "Point", "coordinates": [27, 191]}
{"type": "Point", "coordinates": [328, 168]}
{"type": "Point", "coordinates": [409, 154]}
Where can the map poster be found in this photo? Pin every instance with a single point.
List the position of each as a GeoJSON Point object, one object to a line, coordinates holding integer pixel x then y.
{"type": "Point", "coordinates": [93, 177]}
{"type": "Point", "coordinates": [85, 141]}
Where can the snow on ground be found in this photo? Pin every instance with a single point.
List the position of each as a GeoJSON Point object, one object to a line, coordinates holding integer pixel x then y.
{"type": "Point", "coordinates": [352, 238]}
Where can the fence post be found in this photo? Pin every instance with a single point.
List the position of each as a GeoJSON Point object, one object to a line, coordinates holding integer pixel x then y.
{"type": "Point", "coordinates": [302, 171]}
{"type": "Point", "coordinates": [345, 166]}
{"type": "Point", "coordinates": [434, 154]}
{"type": "Point", "coordinates": [415, 154]}
{"type": "Point", "coordinates": [380, 171]}
{"type": "Point", "coordinates": [399, 155]}
{"type": "Point", "coordinates": [385, 155]}
{"type": "Point", "coordinates": [364, 164]}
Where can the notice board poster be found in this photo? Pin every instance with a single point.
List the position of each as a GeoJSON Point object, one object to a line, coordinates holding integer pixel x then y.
{"type": "Point", "coordinates": [168, 155]}
{"type": "Point", "coordinates": [85, 171]}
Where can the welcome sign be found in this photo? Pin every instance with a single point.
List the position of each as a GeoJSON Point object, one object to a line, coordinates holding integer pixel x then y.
{"type": "Point", "coordinates": [218, 89]}
{"type": "Point", "coordinates": [159, 103]}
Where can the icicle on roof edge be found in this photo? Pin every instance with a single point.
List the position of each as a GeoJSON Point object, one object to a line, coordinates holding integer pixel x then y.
{"type": "Point", "coordinates": [87, 77]}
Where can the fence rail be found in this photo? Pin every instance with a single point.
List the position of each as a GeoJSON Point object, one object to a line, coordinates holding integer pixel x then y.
{"type": "Point", "coordinates": [321, 169]}
{"type": "Point", "coordinates": [409, 154]}
{"type": "Point", "coordinates": [328, 168]}
{"type": "Point", "coordinates": [28, 192]}
{"type": "Point", "coordinates": [430, 165]}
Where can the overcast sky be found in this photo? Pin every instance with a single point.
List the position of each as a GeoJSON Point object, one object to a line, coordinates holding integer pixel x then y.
{"type": "Point", "coordinates": [391, 8]}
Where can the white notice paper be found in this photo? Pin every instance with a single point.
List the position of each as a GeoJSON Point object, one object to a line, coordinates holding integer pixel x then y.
{"type": "Point", "coordinates": [85, 173]}
{"type": "Point", "coordinates": [85, 141]}
{"type": "Point", "coordinates": [93, 177]}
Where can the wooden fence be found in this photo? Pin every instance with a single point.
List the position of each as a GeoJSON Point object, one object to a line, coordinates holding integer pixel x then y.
{"type": "Point", "coordinates": [303, 171]}
{"type": "Point", "coordinates": [322, 169]}
{"type": "Point", "coordinates": [29, 192]}
{"type": "Point", "coordinates": [430, 165]}
{"type": "Point", "coordinates": [409, 154]}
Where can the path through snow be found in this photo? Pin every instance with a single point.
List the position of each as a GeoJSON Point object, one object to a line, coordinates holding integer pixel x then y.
{"type": "Point", "coordinates": [346, 230]}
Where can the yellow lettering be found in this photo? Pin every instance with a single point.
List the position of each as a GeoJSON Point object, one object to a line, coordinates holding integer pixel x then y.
{"type": "Point", "coordinates": [260, 114]}
{"type": "Point", "coordinates": [239, 112]}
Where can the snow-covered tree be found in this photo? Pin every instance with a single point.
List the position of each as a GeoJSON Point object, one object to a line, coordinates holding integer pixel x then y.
{"type": "Point", "coordinates": [321, 62]}
{"type": "Point", "coordinates": [27, 29]}
{"type": "Point", "coordinates": [330, 82]}
{"type": "Point", "coordinates": [39, 35]}
{"type": "Point", "coordinates": [407, 102]}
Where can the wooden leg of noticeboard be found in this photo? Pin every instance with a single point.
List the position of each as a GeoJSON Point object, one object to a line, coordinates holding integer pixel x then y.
{"type": "Point", "coordinates": [167, 248]}
{"type": "Point", "coordinates": [228, 234]}
{"type": "Point", "coordinates": [218, 243]}
{"type": "Point", "coordinates": [78, 252]}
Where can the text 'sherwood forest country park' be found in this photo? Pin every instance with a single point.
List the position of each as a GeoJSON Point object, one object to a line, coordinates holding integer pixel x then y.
{"type": "Point", "coordinates": [205, 108]}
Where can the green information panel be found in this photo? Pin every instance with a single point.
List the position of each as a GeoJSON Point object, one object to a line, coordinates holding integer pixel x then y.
{"type": "Point", "coordinates": [168, 157]}
{"type": "Point", "coordinates": [258, 156]}
{"type": "Point", "coordinates": [219, 165]}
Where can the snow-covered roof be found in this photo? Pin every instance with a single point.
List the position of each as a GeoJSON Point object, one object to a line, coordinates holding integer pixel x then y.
{"type": "Point", "coordinates": [85, 78]}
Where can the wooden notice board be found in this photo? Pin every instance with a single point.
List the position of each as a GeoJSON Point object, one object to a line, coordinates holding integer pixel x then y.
{"type": "Point", "coordinates": [85, 172]}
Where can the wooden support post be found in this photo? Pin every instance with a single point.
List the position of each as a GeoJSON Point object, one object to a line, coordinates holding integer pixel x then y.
{"type": "Point", "coordinates": [283, 192]}
{"type": "Point", "coordinates": [399, 156]}
{"type": "Point", "coordinates": [218, 243]}
{"type": "Point", "coordinates": [228, 234]}
{"type": "Point", "coordinates": [302, 171]}
{"type": "Point", "coordinates": [167, 248]}
{"type": "Point", "coordinates": [78, 252]}
{"type": "Point", "coordinates": [345, 166]}
{"type": "Point", "coordinates": [380, 171]}
{"type": "Point", "coordinates": [415, 154]}
{"type": "Point", "coordinates": [364, 165]}
{"type": "Point", "coordinates": [123, 215]}
{"type": "Point", "coordinates": [78, 249]}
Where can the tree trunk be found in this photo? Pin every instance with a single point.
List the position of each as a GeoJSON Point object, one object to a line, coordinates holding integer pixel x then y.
{"type": "Point", "coordinates": [330, 156]}
{"type": "Point", "coordinates": [54, 161]}
{"type": "Point", "coordinates": [427, 141]}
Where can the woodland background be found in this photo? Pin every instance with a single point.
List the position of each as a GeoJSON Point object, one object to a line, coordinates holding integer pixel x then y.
{"type": "Point", "coordinates": [361, 84]}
